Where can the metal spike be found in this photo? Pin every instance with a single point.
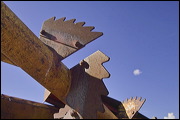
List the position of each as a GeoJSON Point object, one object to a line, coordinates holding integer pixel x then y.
{"type": "Point", "coordinates": [139, 98]}
{"type": "Point", "coordinates": [90, 28]}
{"type": "Point", "coordinates": [70, 21]}
{"type": "Point", "coordinates": [80, 23]}
{"type": "Point", "coordinates": [61, 19]}
{"type": "Point", "coordinates": [135, 98]}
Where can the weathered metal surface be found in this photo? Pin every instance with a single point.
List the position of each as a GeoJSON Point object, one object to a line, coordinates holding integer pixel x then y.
{"type": "Point", "coordinates": [66, 37]}
{"type": "Point", "coordinates": [67, 113]}
{"type": "Point", "coordinates": [119, 110]}
{"type": "Point", "coordinates": [6, 60]}
{"type": "Point", "coordinates": [50, 98]}
{"type": "Point", "coordinates": [16, 108]}
{"type": "Point", "coordinates": [133, 105]}
{"type": "Point", "coordinates": [87, 86]}
{"type": "Point", "coordinates": [25, 50]}
{"type": "Point", "coordinates": [107, 114]}
{"type": "Point", "coordinates": [81, 87]}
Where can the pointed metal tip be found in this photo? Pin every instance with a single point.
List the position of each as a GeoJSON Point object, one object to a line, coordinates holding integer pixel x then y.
{"type": "Point", "coordinates": [89, 28]}
{"type": "Point", "coordinates": [54, 18]}
{"type": "Point", "coordinates": [70, 21]}
{"type": "Point", "coordinates": [139, 98]}
{"type": "Point", "coordinates": [63, 18]}
{"type": "Point", "coordinates": [80, 23]}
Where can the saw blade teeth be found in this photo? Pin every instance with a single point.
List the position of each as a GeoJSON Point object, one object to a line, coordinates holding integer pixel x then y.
{"type": "Point", "coordinates": [54, 18]}
{"type": "Point", "coordinates": [143, 100]}
{"type": "Point", "coordinates": [96, 34]}
{"type": "Point", "coordinates": [135, 98]}
{"type": "Point", "coordinates": [70, 21]}
{"type": "Point", "coordinates": [80, 23]}
{"type": "Point", "coordinates": [84, 34]}
{"type": "Point", "coordinates": [51, 19]}
{"type": "Point", "coordinates": [89, 28]}
{"type": "Point", "coordinates": [61, 19]}
{"type": "Point", "coordinates": [139, 98]}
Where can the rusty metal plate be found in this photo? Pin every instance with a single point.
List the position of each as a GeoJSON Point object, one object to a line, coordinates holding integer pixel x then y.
{"type": "Point", "coordinates": [67, 113]}
{"type": "Point", "coordinates": [66, 37]}
{"type": "Point", "coordinates": [133, 105]}
{"type": "Point", "coordinates": [87, 86]}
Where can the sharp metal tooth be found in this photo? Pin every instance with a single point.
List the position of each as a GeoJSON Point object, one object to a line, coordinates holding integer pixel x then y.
{"type": "Point", "coordinates": [90, 28]}
{"type": "Point", "coordinates": [80, 23]}
{"type": "Point", "coordinates": [135, 98]}
{"type": "Point", "coordinates": [70, 21]}
{"type": "Point", "coordinates": [139, 98]}
{"type": "Point", "coordinates": [61, 19]}
{"type": "Point", "coordinates": [51, 19]}
{"type": "Point", "coordinates": [143, 100]}
{"type": "Point", "coordinates": [131, 98]}
{"type": "Point", "coordinates": [96, 34]}
{"type": "Point", "coordinates": [54, 18]}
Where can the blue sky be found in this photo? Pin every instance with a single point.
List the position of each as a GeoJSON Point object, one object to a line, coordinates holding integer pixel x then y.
{"type": "Point", "coordinates": [136, 35]}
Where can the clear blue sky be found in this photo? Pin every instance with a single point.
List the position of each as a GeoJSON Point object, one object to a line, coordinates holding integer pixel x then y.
{"type": "Point", "coordinates": [137, 35]}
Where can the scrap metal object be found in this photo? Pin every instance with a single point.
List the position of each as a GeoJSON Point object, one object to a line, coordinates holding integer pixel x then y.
{"type": "Point", "coordinates": [66, 37]}
{"type": "Point", "coordinates": [21, 47]}
{"type": "Point", "coordinates": [67, 113]}
{"type": "Point", "coordinates": [87, 86]}
{"type": "Point", "coordinates": [17, 108]}
{"type": "Point", "coordinates": [133, 105]}
{"type": "Point", "coordinates": [50, 98]}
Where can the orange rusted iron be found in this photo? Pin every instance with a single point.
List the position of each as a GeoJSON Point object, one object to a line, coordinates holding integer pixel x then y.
{"type": "Point", "coordinates": [24, 49]}
{"type": "Point", "coordinates": [17, 108]}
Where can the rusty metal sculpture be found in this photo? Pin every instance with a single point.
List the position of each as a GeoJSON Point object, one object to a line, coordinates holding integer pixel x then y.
{"type": "Point", "coordinates": [77, 93]}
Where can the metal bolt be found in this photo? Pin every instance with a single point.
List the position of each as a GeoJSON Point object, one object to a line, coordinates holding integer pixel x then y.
{"type": "Point", "coordinates": [79, 45]}
{"type": "Point", "coordinates": [132, 112]}
{"type": "Point", "coordinates": [84, 64]}
{"type": "Point", "coordinates": [43, 32]}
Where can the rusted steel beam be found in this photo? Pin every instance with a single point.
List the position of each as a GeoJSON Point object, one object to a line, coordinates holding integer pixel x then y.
{"type": "Point", "coordinates": [16, 108]}
{"type": "Point", "coordinates": [24, 49]}
{"type": "Point", "coordinates": [50, 98]}
{"type": "Point", "coordinates": [6, 60]}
